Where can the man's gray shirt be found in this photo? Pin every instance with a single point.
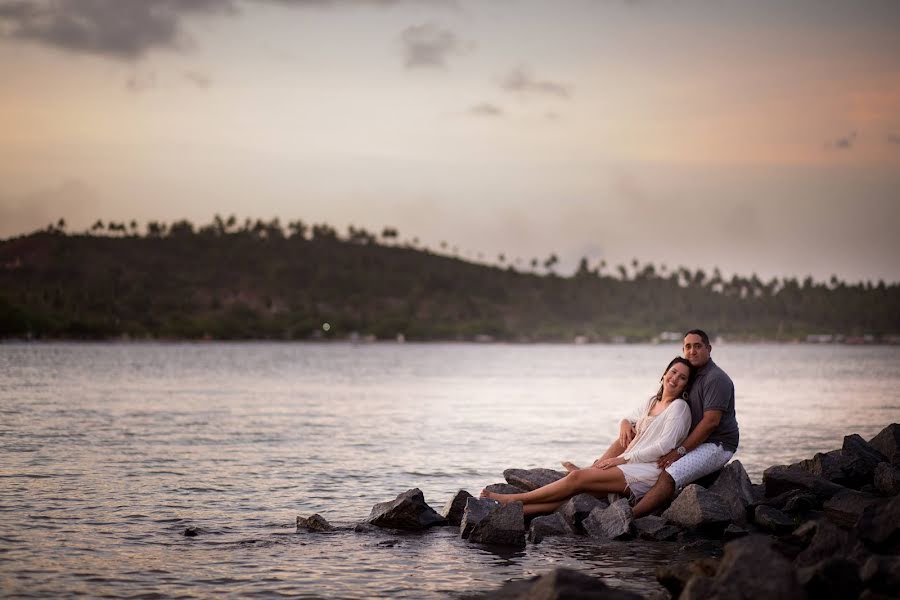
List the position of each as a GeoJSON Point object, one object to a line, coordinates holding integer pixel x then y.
{"type": "Point", "coordinates": [714, 390]}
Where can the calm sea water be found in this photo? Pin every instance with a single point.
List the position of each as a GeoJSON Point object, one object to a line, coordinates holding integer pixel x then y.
{"type": "Point", "coordinates": [109, 451]}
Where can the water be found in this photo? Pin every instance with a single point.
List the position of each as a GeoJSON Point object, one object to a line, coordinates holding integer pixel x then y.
{"type": "Point", "coordinates": [109, 451]}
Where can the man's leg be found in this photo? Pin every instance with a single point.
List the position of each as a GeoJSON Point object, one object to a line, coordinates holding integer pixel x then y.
{"type": "Point", "coordinates": [702, 460]}
{"type": "Point", "coordinates": [661, 492]}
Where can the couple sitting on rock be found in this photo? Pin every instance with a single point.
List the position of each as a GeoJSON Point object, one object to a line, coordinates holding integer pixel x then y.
{"type": "Point", "coordinates": [687, 430]}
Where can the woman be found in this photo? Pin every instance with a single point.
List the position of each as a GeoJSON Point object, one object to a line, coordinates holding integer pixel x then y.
{"type": "Point", "coordinates": [659, 424]}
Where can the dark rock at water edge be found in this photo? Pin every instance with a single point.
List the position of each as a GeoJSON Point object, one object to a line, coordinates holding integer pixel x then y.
{"type": "Point", "coordinates": [834, 578]}
{"type": "Point", "coordinates": [733, 532]}
{"type": "Point", "coordinates": [547, 526]}
{"type": "Point", "coordinates": [773, 520]}
{"type": "Point", "coordinates": [734, 487]}
{"type": "Point", "coordinates": [475, 511]}
{"type": "Point", "coordinates": [887, 479]}
{"type": "Point", "coordinates": [504, 526]}
{"type": "Point", "coordinates": [531, 479]}
{"type": "Point", "coordinates": [559, 584]}
{"type": "Point", "coordinates": [674, 577]}
{"type": "Point", "coordinates": [313, 523]}
{"type": "Point", "coordinates": [845, 508]}
{"type": "Point", "coordinates": [407, 511]}
{"type": "Point", "coordinates": [504, 488]}
{"type": "Point", "coordinates": [454, 509]}
{"type": "Point", "coordinates": [879, 526]}
{"type": "Point", "coordinates": [699, 509]}
{"type": "Point", "coordinates": [888, 443]}
{"type": "Point", "coordinates": [781, 479]}
{"type": "Point", "coordinates": [614, 522]}
{"type": "Point", "coordinates": [191, 531]}
{"type": "Point", "coordinates": [750, 568]}
{"type": "Point", "coordinates": [655, 528]}
{"type": "Point", "coordinates": [577, 508]}
{"type": "Point", "coordinates": [827, 541]}
{"type": "Point", "coordinates": [882, 574]}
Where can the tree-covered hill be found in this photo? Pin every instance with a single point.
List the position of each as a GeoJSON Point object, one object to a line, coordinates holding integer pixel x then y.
{"type": "Point", "coordinates": [262, 281]}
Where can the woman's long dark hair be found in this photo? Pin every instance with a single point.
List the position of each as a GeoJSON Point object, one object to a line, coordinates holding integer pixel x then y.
{"type": "Point", "coordinates": [692, 372]}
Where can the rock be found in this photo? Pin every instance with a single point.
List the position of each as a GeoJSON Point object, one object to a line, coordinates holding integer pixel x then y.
{"type": "Point", "coordinates": [845, 508]}
{"type": "Point", "coordinates": [750, 568]}
{"type": "Point", "coordinates": [547, 526]}
{"type": "Point", "coordinates": [828, 541]}
{"type": "Point", "coordinates": [888, 443]}
{"type": "Point", "coordinates": [313, 523]}
{"type": "Point", "coordinates": [734, 487]}
{"type": "Point", "coordinates": [709, 480]}
{"type": "Point", "coordinates": [700, 509]}
{"type": "Point", "coordinates": [801, 503]}
{"type": "Point", "coordinates": [834, 578]}
{"type": "Point", "coordinates": [614, 522]}
{"type": "Point", "coordinates": [675, 576]}
{"type": "Point", "coordinates": [559, 584]}
{"type": "Point", "coordinates": [475, 511]}
{"type": "Point", "coordinates": [849, 471]}
{"type": "Point", "coordinates": [773, 520]}
{"type": "Point", "coordinates": [454, 509]}
{"type": "Point", "coordinates": [504, 526]}
{"type": "Point", "coordinates": [191, 532]}
{"type": "Point", "coordinates": [577, 508]}
{"type": "Point", "coordinates": [887, 479]}
{"type": "Point", "coordinates": [407, 511]}
{"type": "Point", "coordinates": [733, 532]}
{"type": "Point", "coordinates": [863, 457]}
{"type": "Point", "coordinates": [882, 574]}
{"type": "Point", "coordinates": [504, 488]}
{"type": "Point", "coordinates": [781, 479]}
{"type": "Point", "coordinates": [365, 528]}
{"type": "Point", "coordinates": [655, 528]}
{"type": "Point", "coordinates": [879, 526]}
{"type": "Point", "coordinates": [531, 479]}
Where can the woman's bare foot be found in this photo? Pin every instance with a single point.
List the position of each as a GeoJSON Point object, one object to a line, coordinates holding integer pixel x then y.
{"type": "Point", "coordinates": [494, 496]}
{"type": "Point", "coordinates": [569, 466]}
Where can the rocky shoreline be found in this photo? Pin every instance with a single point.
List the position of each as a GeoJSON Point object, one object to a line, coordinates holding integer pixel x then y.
{"type": "Point", "coordinates": [825, 527]}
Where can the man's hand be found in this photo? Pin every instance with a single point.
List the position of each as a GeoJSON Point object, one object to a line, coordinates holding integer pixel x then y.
{"type": "Point", "coordinates": [668, 458]}
{"type": "Point", "coordinates": [608, 463]}
{"type": "Point", "coordinates": [626, 433]}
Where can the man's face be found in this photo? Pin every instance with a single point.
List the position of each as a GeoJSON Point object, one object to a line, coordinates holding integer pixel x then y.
{"type": "Point", "coordinates": [695, 350]}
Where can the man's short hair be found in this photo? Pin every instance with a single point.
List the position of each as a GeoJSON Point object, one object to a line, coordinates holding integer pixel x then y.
{"type": "Point", "coordinates": [699, 332]}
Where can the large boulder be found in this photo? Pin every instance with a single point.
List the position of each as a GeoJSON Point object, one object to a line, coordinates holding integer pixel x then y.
{"type": "Point", "coordinates": [700, 509]}
{"type": "Point", "coordinates": [615, 522]}
{"type": "Point", "coordinates": [864, 457]}
{"type": "Point", "coordinates": [655, 528]}
{"type": "Point", "coordinates": [879, 526]}
{"type": "Point", "coordinates": [675, 576]}
{"type": "Point", "coordinates": [504, 488]}
{"type": "Point", "coordinates": [407, 511]}
{"type": "Point", "coordinates": [577, 508]}
{"type": "Point", "coordinates": [313, 523]}
{"type": "Point", "coordinates": [882, 574]}
{"type": "Point", "coordinates": [773, 520]}
{"type": "Point", "coordinates": [887, 479]}
{"type": "Point", "coordinates": [559, 584]}
{"type": "Point", "coordinates": [834, 578]}
{"type": "Point", "coordinates": [845, 508]}
{"type": "Point", "coordinates": [734, 487]}
{"type": "Point", "coordinates": [828, 541]}
{"type": "Point", "coordinates": [531, 479]}
{"type": "Point", "coordinates": [888, 443]}
{"type": "Point", "coordinates": [750, 568]}
{"type": "Point", "coordinates": [781, 479]}
{"type": "Point", "coordinates": [454, 509]}
{"type": "Point", "coordinates": [836, 467]}
{"type": "Point", "coordinates": [475, 511]}
{"type": "Point", "coordinates": [547, 526]}
{"type": "Point", "coordinates": [504, 526]}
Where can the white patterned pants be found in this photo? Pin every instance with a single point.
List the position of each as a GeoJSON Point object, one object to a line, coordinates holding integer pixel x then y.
{"type": "Point", "coordinates": [702, 460]}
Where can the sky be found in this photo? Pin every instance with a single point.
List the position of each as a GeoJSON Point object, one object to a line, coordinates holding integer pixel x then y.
{"type": "Point", "coordinates": [757, 137]}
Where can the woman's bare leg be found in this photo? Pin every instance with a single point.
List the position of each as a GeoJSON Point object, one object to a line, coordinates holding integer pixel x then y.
{"type": "Point", "coordinates": [544, 508]}
{"type": "Point", "coordinates": [583, 480]}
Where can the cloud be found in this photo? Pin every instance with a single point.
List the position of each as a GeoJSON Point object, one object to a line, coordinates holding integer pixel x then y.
{"type": "Point", "coordinates": [72, 199]}
{"type": "Point", "coordinates": [201, 80]}
{"type": "Point", "coordinates": [520, 80]}
{"type": "Point", "coordinates": [485, 109]}
{"type": "Point", "coordinates": [428, 45]}
{"type": "Point", "coordinates": [844, 143]}
{"type": "Point", "coordinates": [893, 138]}
{"type": "Point", "coordinates": [140, 83]}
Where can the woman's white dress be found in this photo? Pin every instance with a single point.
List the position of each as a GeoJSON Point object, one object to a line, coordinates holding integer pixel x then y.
{"type": "Point", "coordinates": [656, 435]}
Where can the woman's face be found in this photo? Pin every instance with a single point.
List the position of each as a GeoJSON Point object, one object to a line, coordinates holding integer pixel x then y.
{"type": "Point", "coordinates": [675, 379]}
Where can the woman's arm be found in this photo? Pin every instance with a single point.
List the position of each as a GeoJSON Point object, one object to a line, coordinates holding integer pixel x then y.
{"type": "Point", "coordinates": [674, 429]}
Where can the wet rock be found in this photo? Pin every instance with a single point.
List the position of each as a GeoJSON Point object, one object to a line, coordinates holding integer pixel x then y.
{"type": "Point", "coordinates": [191, 532]}
{"type": "Point", "coordinates": [879, 526]}
{"type": "Point", "coordinates": [559, 584]}
{"type": "Point", "coordinates": [882, 574]}
{"type": "Point", "coordinates": [454, 509]}
{"type": "Point", "coordinates": [547, 526]}
{"type": "Point", "coordinates": [734, 487]}
{"type": "Point", "coordinates": [801, 503]}
{"type": "Point", "coordinates": [674, 577]}
{"type": "Point", "coordinates": [313, 523]}
{"type": "Point", "coordinates": [613, 523]}
{"type": "Point", "coordinates": [781, 479]}
{"type": "Point", "coordinates": [888, 443]}
{"type": "Point", "coordinates": [834, 578]}
{"type": "Point", "coordinates": [577, 508]}
{"type": "Point", "coordinates": [834, 466]}
{"type": "Point", "coordinates": [655, 528]}
{"type": "Point", "coordinates": [504, 488]}
{"type": "Point", "coordinates": [750, 568]}
{"type": "Point", "coordinates": [828, 541]}
{"type": "Point", "coordinates": [407, 511]}
{"type": "Point", "coordinates": [887, 479]}
{"type": "Point", "coordinates": [773, 520]}
{"type": "Point", "coordinates": [475, 511]}
{"type": "Point", "coordinates": [504, 526]}
{"type": "Point", "coordinates": [531, 479]}
{"type": "Point", "coordinates": [864, 458]}
{"type": "Point", "coordinates": [365, 528]}
{"type": "Point", "coordinates": [845, 508]}
{"type": "Point", "coordinates": [733, 532]}
{"type": "Point", "coordinates": [700, 509]}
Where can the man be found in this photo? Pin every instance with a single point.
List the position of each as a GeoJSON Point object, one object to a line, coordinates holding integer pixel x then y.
{"type": "Point", "coordinates": [714, 435]}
